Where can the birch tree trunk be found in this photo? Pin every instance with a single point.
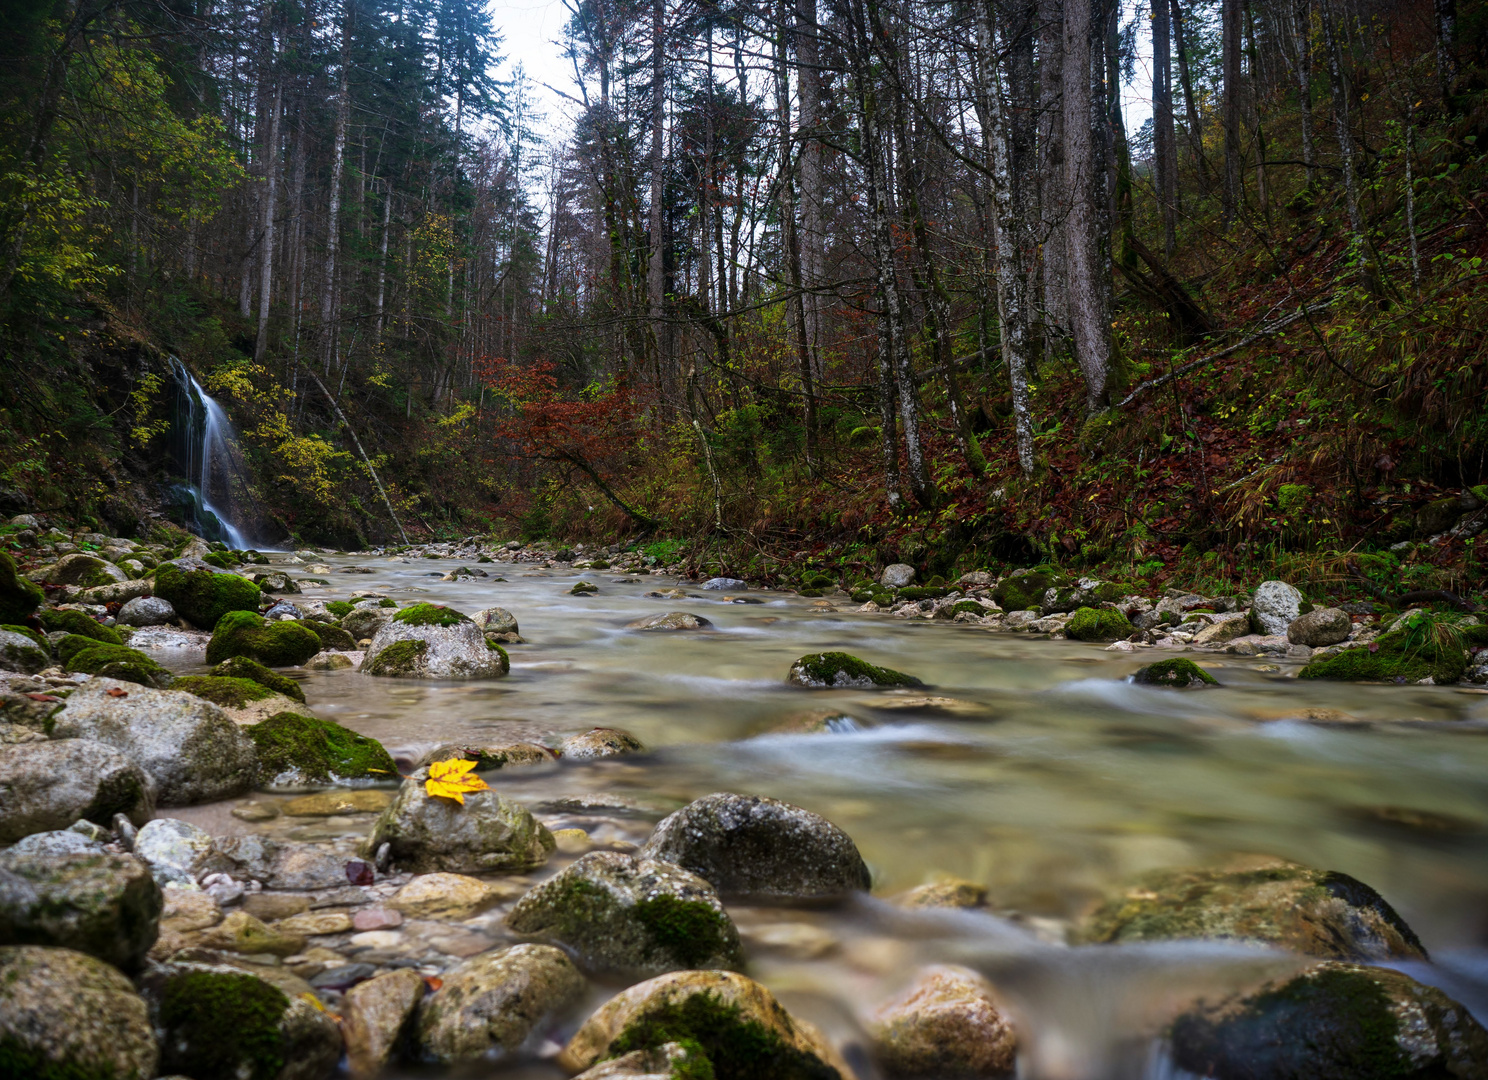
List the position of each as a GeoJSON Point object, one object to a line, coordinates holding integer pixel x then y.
{"type": "Point", "coordinates": [333, 208]}
{"type": "Point", "coordinates": [1302, 15]}
{"type": "Point", "coordinates": [266, 233]}
{"type": "Point", "coordinates": [1164, 135]}
{"type": "Point", "coordinates": [1341, 119]}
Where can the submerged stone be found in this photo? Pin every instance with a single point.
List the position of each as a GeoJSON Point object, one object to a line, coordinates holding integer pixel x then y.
{"type": "Point", "coordinates": [1178, 673]}
{"type": "Point", "coordinates": [843, 670]}
{"type": "Point", "coordinates": [945, 1024]}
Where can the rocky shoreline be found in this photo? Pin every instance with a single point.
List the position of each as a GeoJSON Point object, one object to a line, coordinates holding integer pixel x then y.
{"type": "Point", "coordinates": [451, 931]}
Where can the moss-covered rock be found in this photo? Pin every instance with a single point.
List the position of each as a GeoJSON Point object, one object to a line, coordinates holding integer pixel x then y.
{"type": "Point", "coordinates": [733, 1026]}
{"type": "Point", "coordinates": [203, 597]}
{"type": "Point", "coordinates": [399, 659]}
{"type": "Point", "coordinates": [111, 661]}
{"type": "Point", "coordinates": [1394, 657]}
{"type": "Point", "coordinates": [98, 903]}
{"type": "Point", "coordinates": [1313, 912]}
{"type": "Point", "coordinates": [18, 596]}
{"type": "Point", "coordinates": [86, 571]}
{"type": "Point", "coordinates": [620, 915]}
{"type": "Point", "coordinates": [493, 1001]}
{"type": "Point", "coordinates": [19, 651]}
{"type": "Point", "coordinates": [1098, 624]}
{"type": "Point", "coordinates": [427, 833]}
{"type": "Point", "coordinates": [332, 638]}
{"type": "Point", "coordinates": [840, 669]}
{"type": "Point", "coordinates": [276, 644]}
{"type": "Point", "coordinates": [1333, 1021]}
{"type": "Point", "coordinates": [927, 592]}
{"type": "Point", "coordinates": [428, 641]}
{"type": "Point", "coordinates": [77, 622]}
{"type": "Point", "coordinates": [36, 637]}
{"type": "Point", "coordinates": [1176, 672]}
{"type": "Point", "coordinates": [340, 608]}
{"type": "Point", "coordinates": [1024, 592]}
{"type": "Point", "coordinates": [583, 588]}
{"type": "Point", "coordinates": [243, 667]}
{"type": "Point", "coordinates": [430, 615]}
{"type": "Point", "coordinates": [303, 747]}
{"type": "Point", "coordinates": [967, 607]}
{"type": "Point", "coordinates": [225, 693]}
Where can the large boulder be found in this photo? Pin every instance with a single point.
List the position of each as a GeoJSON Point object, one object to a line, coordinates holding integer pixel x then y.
{"type": "Point", "coordinates": [244, 701]}
{"type": "Point", "coordinates": [1024, 590]}
{"type": "Point", "coordinates": [67, 1016]}
{"type": "Point", "coordinates": [77, 622]}
{"type": "Point", "coordinates": [244, 667]}
{"type": "Point", "coordinates": [93, 657]}
{"type": "Point", "coordinates": [188, 747]}
{"type": "Point", "coordinates": [897, 575]}
{"type": "Point", "coordinates": [294, 748]}
{"type": "Point", "coordinates": [1319, 627]}
{"type": "Point", "coordinates": [101, 904]}
{"type": "Point", "coordinates": [838, 670]}
{"type": "Point", "coordinates": [945, 1024]}
{"type": "Point", "coordinates": [426, 832]}
{"type": "Point", "coordinates": [18, 596]}
{"type": "Point", "coordinates": [1097, 624]}
{"type": "Point", "coordinates": [20, 652]}
{"type": "Point", "coordinates": [147, 611]}
{"type": "Point", "coordinates": [1332, 1021]}
{"type": "Point", "coordinates": [1312, 912]}
{"type": "Point", "coordinates": [220, 1020]}
{"type": "Point", "coordinates": [750, 847]}
{"type": "Point", "coordinates": [1274, 607]}
{"type": "Point", "coordinates": [427, 641]}
{"type": "Point", "coordinates": [50, 785]}
{"type": "Point", "coordinates": [494, 1000]}
{"type": "Point", "coordinates": [85, 571]}
{"type": "Point", "coordinates": [671, 620]}
{"type": "Point", "coordinates": [275, 644]}
{"type": "Point", "coordinates": [203, 596]}
{"type": "Point", "coordinates": [730, 1020]}
{"type": "Point", "coordinates": [634, 917]}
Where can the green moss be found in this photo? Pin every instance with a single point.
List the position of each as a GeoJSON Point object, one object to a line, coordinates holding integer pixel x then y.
{"type": "Point", "coordinates": [245, 633]}
{"type": "Point", "coordinates": [499, 651]}
{"type": "Point", "coordinates": [913, 592]}
{"type": "Point", "coordinates": [227, 692]}
{"type": "Point", "coordinates": [1177, 672]}
{"type": "Point", "coordinates": [18, 596]}
{"type": "Point", "coordinates": [1098, 624]}
{"type": "Point", "coordinates": [1475, 635]}
{"type": "Point", "coordinates": [224, 560]}
{"type": "Point", "coordinates": [826, 667]}
{"type": "Point", "coordinates": [594, 564]}
{"type": "Point", "coordinates": [17, 1059]}
{"type": "Point", "coordinates": [331, 637]}
{"type": "Point", "coordinates": [1108, 592]}
{"type": "Point", "coordinates": [122, 793]}
{"type": "Point", "coordinates": [690, 930]}
{"type": "Point", "coordinates": [861, 596]}
{"type": "Point", "coordinates": [583, 588]}
{"type": "Point", "coordinates": [385, 602]}
{"type": "Point", "coordinates": [243, 667]}
{"type": "Point", "coordinates": [430, 615]}
{"type": "Point", "coordinates": [202, 597]}
{"type": "Point", "coordinates": [340, 608]}
{"type": "Point", "coordinates": [970, 607]}
{"type": "Point", "coordinates": [318, 750]}
{"type": "Point", "coordinates": [1026, 591]}
{"type": "Point", "coordinates": [734, 1046]}
{"type": "Point", "coordinates": [77, 622]}
{"type": "Point", "coordinates": [112, 662]}
{"type": "Point", "coordinates": [812, 593]}
{"type": "Point", "coordinates": [883, 598]}
{"type": "Point", "coordinates": [40, 639]}
{"type": "Point", "coordinates": [1391, 657]}
{"type": "Point", "coordinates": [821, 581]}
{"type": "Point", "coordinates": [399, 658]}
{"type": "Point", "coordinates": [215, 1023]}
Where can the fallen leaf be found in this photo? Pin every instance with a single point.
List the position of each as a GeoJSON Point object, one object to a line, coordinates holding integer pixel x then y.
{"type": "Point", "coordinates": [114, 691]}
{"type": "Point", "coordinates": [43, 697]}
{"type": "Point", "coordinates": [452, 780]}
{"type": "Point", "coordinates": [433, 982]}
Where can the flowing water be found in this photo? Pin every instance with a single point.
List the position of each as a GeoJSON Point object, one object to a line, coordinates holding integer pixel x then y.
{"type": "Point", "coordinates": [205, 447]}
{"type": "Point", "coordinates": [1048, 777]}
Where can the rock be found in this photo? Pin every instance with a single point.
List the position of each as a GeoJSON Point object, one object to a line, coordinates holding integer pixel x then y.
{"type": "Point", "coordinates": [243, 700]}
{"type": "Point", "coordinates": [147, 611]}
{"type": "Point", "coordinates": [583, 588]}
{"type": "Point", "coordinates": [729, 1019]}
{"type": "Point", "coordinates": [219, 1020]}
{"type": "Point", "coordinates": [946, 1024]}
{"type": "Point", "coordinates": [101, 904]}
{"type": "Point", "coordinates": [174, 850]}
{"type": "Point", "coordinates": [949, 893]}
{"type": "Point", "coordinates": [725, 583]}
{"type": "Point", "coordinates": [1332, 1021]}
{"type": "Point", "coordinates": [49, 785]}
{"type": "Point", "coordinates": [275, 582]}
{"type": "Point", "coordinates": [1319, 627]}
{"type": "Point", "coordinates": [326, 803]}
{"type": "Point", "coordinates": [18, 597]}
{"type": "Point", "coordinates": [276, 644]}
{"type": "Point", "coordinates": [280, 864]}
{"type": "Point", "coordinates": [1223, 629]}
{"type": "Point", "coordinates": [1312, 912]}
{"type": "Point", "coordinates": [495, 1000]}
{"type": "Point", "coordinates": [332, 638]}
{"type": "Point", "coordinates": [64, 1015]}
{"type": "Point", "coordinates": [672, 620]}
{"type": "Point", "coordinates": [634, 917]}
{"type": "Point", "coordinates": [333, 661]}
{"type": "Point", "coordinates": [839, 670]}
{"type": "Point", "coordinates": [240, 932]}
{"type": "Point", "coordinates": [445, 896]}
{"type": "Point", "coordinates": [202, 596]}
{"type": "Point", "coordinates": [242, 667]}
{"type": "Point", "coordinates": [1274, 607]}
{"type": "Point", "coordinates": [375, 1016]}
{"type": "Point", "coordinates": [187, 910]}
{"type": "Point", "coordinates": [751, 847]}
{"type": "Point", "coordinates": [488, 833]}
{"type": "Point", "coordinates": [58, 842]}
{"type": "Point", "coordinates": [1177, 672]}
{"type": "Point", "coordinates": [1398, 656]}
{"type": "Point", "coordinates": [897, 576]}
{"type": "Point", "coordinates": [1098, 624]}
{"type": "Point", "coordinates": [495, 620]}
{"type": "Point", "coordinates": [21, 653]}
{"type": "Point", "coordinates": [364, 622]}
{"type": "Point", "coordinates": [315, 923]}
{"type": "Point", "coordinates": [1024, 591]}
{"type": "Point", "coordinates": [187, 746]}
{"type": "Point", "coordinates": [85, 571]}
{"type": "Point", "coordinates": [72, 621]}
{"type": "Point", "coordinates": [293, 748]}
{"type": "Point", "coordinates": [663, 1062]}
{"type": "Point", "coordinates": [376, 919]}
{"type": "Point", "coordinates": [493, 755]}
{"type": "Point", "coordinates": [93, 657]}
{"type": "Point", "coordinates": [600, 743]}
{"type": "Point", "coordinates": [427, 641]}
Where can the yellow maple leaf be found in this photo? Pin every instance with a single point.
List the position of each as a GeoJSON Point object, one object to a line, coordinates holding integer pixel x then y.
{"type": "Point", "coordinates": [452, 780]}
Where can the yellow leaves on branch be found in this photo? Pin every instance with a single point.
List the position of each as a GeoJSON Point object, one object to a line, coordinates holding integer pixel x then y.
{"type": "Point", "coordinates": [453, 779]}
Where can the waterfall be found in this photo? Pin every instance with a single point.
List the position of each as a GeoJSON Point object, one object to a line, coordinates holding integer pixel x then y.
{"type": "Point", "coordinates": [205, 448]}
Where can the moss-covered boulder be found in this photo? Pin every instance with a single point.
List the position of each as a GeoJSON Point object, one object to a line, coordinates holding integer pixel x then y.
{"type": "Point", "coordinates": [619, 915]}
{"type": "Point", "coordinates": [98, 903]}
{"type": "Point", "coordinates": [332, 637]}
{"type": "Point", "coordinates": [492, 1002]}
{"type": "Point", "coordinates": [77, 622]}
{"type": "Point", "coordinates": [246, 701]}
{"type": "Point", "coordinates": [429, 641]}
{"type": "Point", "coordinates": [292, 747]}
{"type": "Point", "coordinates": [1177, 672]}
{"type": "Point", "coordinates": [276, 644]}
{"type": "Point", "coordinates": [1333, 1021]}
{"type": "Point", "coordinates": [1313, 912]}
{"type": "Point", "coordinates": [202, 597]}
{"type": "Point", "coordinates": [1025, 591]}
{"type": "Point", "coordinates": [86, 571]}
{"type": "Point", "coordinates": [364, 622]}
{"type": "Point", "coordinates": [19, 651]}
{"type": "Point", "coordinates": [223, 1021]}
{"type": "Point", "coordinates": [734, 1028]}
{"type": "Point", "coordinates": [67, 1016]}
{"type": "Point", "coordinates": [244, 667]}
{"type": "Point", "coordinates": [1398, 656]}
{"type": "Point", "coordinates": [18, 596]}
{"type": "Point", "coordinates": [488, 832]}
{"type": "Point", "coordinates": [837, 670]}
{"type": "Point", "coordinates": [92, 657]}
{"type": "Point", "coordinates": [1098, 624]}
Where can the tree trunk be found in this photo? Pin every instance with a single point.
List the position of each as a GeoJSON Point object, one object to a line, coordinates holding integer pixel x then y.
{"type": "Point", "coordinates": [387, 218]}
{"type": "Point", "coordinates": [1190, 104]}
{"type": "Point", "coordinates": [1341, 120]}
{"type": "Point", "coordinates": [266, 234]}
{"type": "Point", "coordinates": [1302, 14]}
{"type": "Point", "coordinates": [656, 271]}
{"type": "Point", "coordinates": [813, 239]}
{"type": "Point", "coordinates": [1230, 68]}
{"type": "Point", "coordinates": [1164, 134]}
{"type": "Point", "coordinates": [333, 208]}
{"type": "Point", "coordinates": [1446, 51]}
{"type": "Point", "coordinates": [1053, 195]}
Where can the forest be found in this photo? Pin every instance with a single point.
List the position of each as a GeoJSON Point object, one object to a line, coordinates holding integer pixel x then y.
{"type": "Point", "coordinates": [788, 287]}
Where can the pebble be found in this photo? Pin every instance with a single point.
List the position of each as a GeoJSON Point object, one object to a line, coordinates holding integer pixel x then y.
{"type": "Point", "coordinates": [571, 841]}
{"type": "Point", "coordinates": [461, 943]}
{"type": "Point", "coordinates": [254, 811]}
{"type": "Point", "coordinates": [798, 941]}
{"type": "Point", "coordinates": [315, 923]}
{"type": "Point", "coordinates": [377, 939]}
{"type": "Point", "coordinates": [272, 907]}
{"type": "Point", "coordinates": [376, 919]}
{"type": "Point", "coordinates": [339, 978]}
